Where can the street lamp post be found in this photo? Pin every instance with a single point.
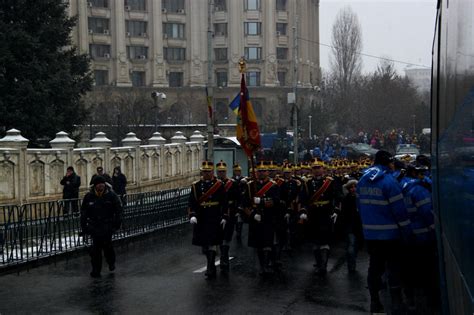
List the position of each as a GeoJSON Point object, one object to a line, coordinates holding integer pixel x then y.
{"type": "Point", "coordinates": [414, 124]}
{"type": "Point", "coordinates": [155, 96]}
{"type": "Point", "coordinates": [310, 133]}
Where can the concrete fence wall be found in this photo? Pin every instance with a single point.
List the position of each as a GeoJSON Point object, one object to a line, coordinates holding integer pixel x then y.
{"type": "Point", "coordinates": [28, 175]}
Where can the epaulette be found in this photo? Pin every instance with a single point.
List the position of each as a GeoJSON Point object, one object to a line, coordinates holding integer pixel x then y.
{"type": "Point", "coordinates": [330, 178]}
{"type": "Point", "coordinates": [195, 182]}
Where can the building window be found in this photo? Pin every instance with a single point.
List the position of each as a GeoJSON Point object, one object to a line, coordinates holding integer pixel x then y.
{"type": "Point", "coordinates": [220, 5]}
{"type": "Point", "coordinates": [138, 78]}
{"type": "Point", "coordinates": [252, 5]}
{"type": "Point", "coordinates": [281, 5]}
{"type": "Point", "coordinates": [99, 25]}
{"type": "Point", "coordinates": [222, 110]}
{"type": "Point", "coordinates": [135, 5]}
{"type": "Point", "coordinates": [99, 51]}
{"type": "Point", "coordinates": [281, 28]}
{"type": "Point", "coordinates": [253, 78]}
{"type": "Point", "coordinates": [220, 54]}
{"type": "Point", "coordinates": [282, 53]}
{"type": "Point", "coordinates": [137, 52]}
{"type": "Point", "coordinates": [101, 77]}
{"type": "Point", "coordinates": [172, 5]}
{"type": "Point", "coordinates": [136, 28]}
{"type": "Point", "coordinates": [282, 78]}
{"type": "Point", "coordinates": [253, 53]}
{"type": "Point", "coordinates": [220, 29]}
{"type": "Point", "coordinates": [99, 3]}
{"type": "Point", "coordinates": [173, 30]}
{"type": "Point", "coordinates": [174, 54]}
{"type": "Point", "coordinates": [252, 28]}
{"type": "Point", "coordinates": [221, 78]}
{"type": "Point", "coordinates": [176, 79]}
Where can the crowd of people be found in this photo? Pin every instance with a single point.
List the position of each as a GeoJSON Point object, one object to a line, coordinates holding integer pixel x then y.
{"type": "Point", "coordinates": [365, 201]}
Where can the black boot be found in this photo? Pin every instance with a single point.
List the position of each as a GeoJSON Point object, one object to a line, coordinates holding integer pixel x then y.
{"type": "Point", "coordinates": [397, 301]}
{"type": "Point", "coordinates": [375, 305]}
{"type": "Point", "coordinates": [211, 264]}
{"type": "Point", "coordinates": [261, 261]}
{"type": "Point", "coordinates": [317, 260]}
{"type": "Point", "coordinates": [276, 257]}
{"type": "Point", "coordinates": [324, 253]}
{"type": "Point", "coordinates": [238, 230]}
{"type": "Point", "coordinates": [224, 257]}
{"type": "Point", "coordinates": [267, 262]}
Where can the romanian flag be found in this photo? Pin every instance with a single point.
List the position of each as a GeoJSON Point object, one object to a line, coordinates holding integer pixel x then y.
{"type": "Point", "coordinates": [247, 127]}
{"type": "Point", "coordinates": [235, 104]}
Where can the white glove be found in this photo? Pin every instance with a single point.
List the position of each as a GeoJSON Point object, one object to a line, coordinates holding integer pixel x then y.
{"type": "Point", "coordinates": [223, 222]}
{"type": "Point", "coordinates": [287, 216]}
{"type": "Point", "coordinates": [256, 200]}
{"type": "Point", "coordinates": [193, 220]}
{"type": "Point", "coordinates": [303, 216]}
{"type": "Point", "coordinates": [334, 217]}
{"type": "Point", "coordinates": [258, 217]}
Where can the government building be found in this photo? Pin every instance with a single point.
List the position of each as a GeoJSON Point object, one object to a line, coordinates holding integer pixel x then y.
{"type": "Point", "coordinates": [162, 45]}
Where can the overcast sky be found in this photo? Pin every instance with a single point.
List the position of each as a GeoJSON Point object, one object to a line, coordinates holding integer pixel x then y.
{"type": "Point", "coordinates": [397, 29]}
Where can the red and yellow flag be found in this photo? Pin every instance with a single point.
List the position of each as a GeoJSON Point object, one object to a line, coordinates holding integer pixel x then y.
{"type": "Point", "coordinates": [248, 133]}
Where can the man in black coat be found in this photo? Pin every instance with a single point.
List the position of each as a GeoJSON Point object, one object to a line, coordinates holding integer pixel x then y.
{"type": "Point", "coordinates": [71, 182]}
{"type": "Point", "coordinates": [100, 172]}
{"type": "Point", "coordinates": [208, 213]}
{"type": "Point", "coordinates": [119, 182]}
{"type": "Point", "coordinates": [101, 216]}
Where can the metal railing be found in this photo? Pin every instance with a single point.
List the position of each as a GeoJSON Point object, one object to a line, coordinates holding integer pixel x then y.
{"type": "Point", "coordinates": [36, 230]}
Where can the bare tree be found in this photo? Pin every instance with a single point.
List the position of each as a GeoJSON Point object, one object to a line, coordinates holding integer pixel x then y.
{"type": "Point", "coordinates": [347, 45]}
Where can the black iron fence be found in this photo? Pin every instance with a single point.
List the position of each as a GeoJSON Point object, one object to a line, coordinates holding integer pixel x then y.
{"type": "Point", "coordinates": [36, 230]}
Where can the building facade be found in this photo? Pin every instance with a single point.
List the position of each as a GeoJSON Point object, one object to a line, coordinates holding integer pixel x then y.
{"type": "Point", "coordinates": [420, 77]}
{"type": "Point", "coordinates": [163, 44]}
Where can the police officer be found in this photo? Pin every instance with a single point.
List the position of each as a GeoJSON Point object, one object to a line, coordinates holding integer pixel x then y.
{"type": "Point", "coordinates": [318, 211]}
{"type": "Point", "coordinates": [261, 206]}
{"type": "Point", "coordinates": [101, 216]}
{"type": "Point", "coordinates": [385, 224]}
{"type": "Point", "coordinates": [208, 212]}
{"type": "Point", "coordinates": [421, 266]}
{"type": "Point", "coordinates": [233, 195]}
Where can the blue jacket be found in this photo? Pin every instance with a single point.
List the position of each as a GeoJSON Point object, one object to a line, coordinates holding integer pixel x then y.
{"type": "Point", "coordinates": [420, 209]}
{"type": "Point", "coordinates": [381, 206]}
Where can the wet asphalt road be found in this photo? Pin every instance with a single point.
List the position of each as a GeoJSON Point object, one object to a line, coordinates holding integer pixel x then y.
{"type": "Point", "coordinates": [157, 275]}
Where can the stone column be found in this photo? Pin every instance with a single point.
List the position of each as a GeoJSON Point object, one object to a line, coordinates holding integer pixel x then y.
{"type": "Point", "coordinates": [131, 140]}
{"type": "Point", "coordinates": [82, 27]}
{"type": "Point", "coordinates": [236, 40]}
{"type": "Point", "coordinates": [178, 138]}
{"type": "Point", "coordinates": [155, 28]}
{"type": "Point", "coordinates": [119, 52]}
{"type": "Point", "coordinates": [197, 136]}
{"type": "Point", "coordinates": [101, 141]}
{"type": "Point", "coordinates": [62, 141]}
{"type": "Point", "coordinates": [197, 50]}
{"type": "Point", "coordinates": [16, 141]}
{"type": "Point", "coordinates": [269, 77]}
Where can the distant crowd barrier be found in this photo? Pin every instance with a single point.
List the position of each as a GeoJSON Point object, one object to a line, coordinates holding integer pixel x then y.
{"type": "Point", "coordinates": [36, 230]}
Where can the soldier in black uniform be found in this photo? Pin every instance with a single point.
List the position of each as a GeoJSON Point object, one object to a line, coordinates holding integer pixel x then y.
{"type": "Point", "coordinates": [289, 198]}
{"type": "Point", "coordinates": [318, 211]}
{"type": "Point", "coordinates": [261, 205]}
{"type": "Point", "coordinates": [208, 212]}
{"type": "Point", "coordinates": [241, 185]}
{"type": "Point", "coordinates": [233, 195]}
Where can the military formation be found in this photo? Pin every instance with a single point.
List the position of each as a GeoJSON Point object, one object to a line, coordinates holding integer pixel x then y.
{"type": "Point", "coordinates": [382, 202]}
{"type": "Point", "coordinates": [283, 205]}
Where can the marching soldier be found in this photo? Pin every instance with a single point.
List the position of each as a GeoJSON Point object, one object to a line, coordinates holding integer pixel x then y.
{"type": "Point", "coordinates": [208, 212]}
{"type": "Point", "coordinates": [233, 195]}
{"type": "Point", "coordinates": [241, 184]}
{"type": "Point", "coordinates": [261, 205]}
{"type": "Point", "coordinates": [289, 192]}
{"type": "Point", "coordinates": [319, 213]}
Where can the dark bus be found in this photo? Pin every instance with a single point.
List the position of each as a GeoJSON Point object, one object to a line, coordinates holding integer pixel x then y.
{"type": "Point", "coordinates": [453, 151]}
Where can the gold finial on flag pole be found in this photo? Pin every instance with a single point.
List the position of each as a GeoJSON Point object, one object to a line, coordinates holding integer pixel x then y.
{"type": "Point", "coordinates": [242, 65]}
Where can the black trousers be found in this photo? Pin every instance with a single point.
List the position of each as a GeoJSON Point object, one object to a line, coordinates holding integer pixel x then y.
{"type": "Point", "coordinates": [99, 244]}
{"type": "Point", "coordinates": [385, 257]}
